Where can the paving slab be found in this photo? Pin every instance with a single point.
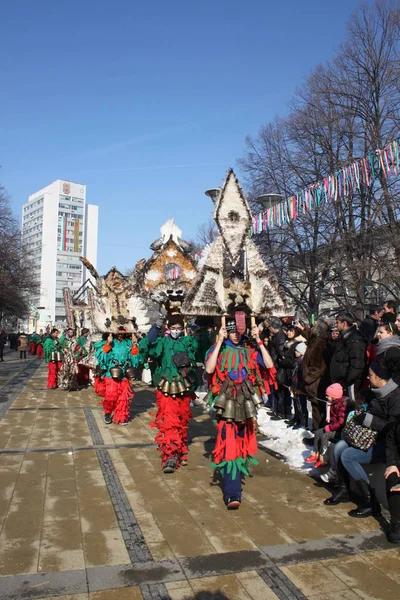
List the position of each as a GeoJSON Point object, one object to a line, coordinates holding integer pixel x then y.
{"type": "Point", "coordinates": [87, 514]}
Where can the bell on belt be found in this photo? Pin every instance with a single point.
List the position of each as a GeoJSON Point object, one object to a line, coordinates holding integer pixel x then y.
{"type": "Point", "coordinates": [249, 409]}
{"type": "Point", "coordinates": [181, 388]}
{"type": "Point", "coordinates": [229, 412]}
{"type": "Point", "coordinates": [59, 356]}
{"type": "Point", "coordinates": [173, 390]}
{"type": "Point", "coordinates": [221, 401]}
{"type": "Point", "coordinates": [130, 372]}
{"type": "Point", "coordinates": [162, 382]}
{"type": "Point", "coordinates": [187, 383]}
{"type": "Point", "coordinates": [53, 356]}
{"type": "Point", "coordinates": [116, 372]}
{"type": "Point", "coordinates": [256, 399]}
{"type": "Point", "coordinates": [240, 415]}
{"type": "Point", "coordinates": [165, 388]}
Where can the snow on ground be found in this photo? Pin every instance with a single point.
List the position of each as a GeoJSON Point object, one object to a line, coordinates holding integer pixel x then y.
{"type": "Point", "coordinates": [284, 440]}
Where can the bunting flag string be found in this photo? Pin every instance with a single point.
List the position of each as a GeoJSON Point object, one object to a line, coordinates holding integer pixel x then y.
{"type": "Point", "coordinates": [346, 181]}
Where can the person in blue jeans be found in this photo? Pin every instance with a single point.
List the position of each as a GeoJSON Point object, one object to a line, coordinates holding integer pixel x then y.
{"type": "Point", "coordinates": [383, 410]}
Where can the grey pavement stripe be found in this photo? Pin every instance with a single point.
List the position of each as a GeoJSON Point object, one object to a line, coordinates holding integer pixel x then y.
{"type": "Point", "coordinates": [265, 561]}
{"type": "Point", "coordinates": [131, 532]}
{"type": "Point", "coordinates": [50, 450]}
{"type": "Point", "coordinates": [11, 390]}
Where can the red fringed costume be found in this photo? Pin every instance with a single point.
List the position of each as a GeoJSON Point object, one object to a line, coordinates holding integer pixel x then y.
{"type": "Point", "coordinates": [118, 396]}
{"type": "Point", "coordinates": [172, 420]}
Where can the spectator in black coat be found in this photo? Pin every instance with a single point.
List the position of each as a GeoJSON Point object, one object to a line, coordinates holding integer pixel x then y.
{"type": "Point", "coordinates": [277, 339]}
{"type": "Point", "coordinates": [370, 324]}
{"type": "Point", "coordinates": [389, 311]}
{"type": "Point", "coordinates": [348, 362]}
{"type": "Point", "coordinates": [388, 349]}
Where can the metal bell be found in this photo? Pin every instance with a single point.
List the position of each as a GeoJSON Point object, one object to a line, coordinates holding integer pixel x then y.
{"type": "Point", "coordinates": [116, 372]}
{"type": "Point", "coordinates": [162, 382]}
{"type": "Point", "coordinates": [181, 388]}
{"type": "Point", "coordinates": [165, 388]}
{"type": "Point", "coordinates": [173, 390]}
{"type": "Point", "coordinates": [240, 415]}
{"type": "Point", "coordinates": [249, 409]}
{"type": "Point", "coordinates": [221, 401]}
{"type": "Point", "coordinates": [130, 372]}
{"type": "Point", "coordinates": [256, 399]}
{"type": "Point", "coordinates": [187, 383]}
{"type": "Point", "coordinates": [229, 412]}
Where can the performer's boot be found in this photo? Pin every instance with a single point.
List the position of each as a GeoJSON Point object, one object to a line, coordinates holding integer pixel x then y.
{"type": "Point", "coordinates": [108, 418]}
{"type": "Point", "coordinates": [170, 465]}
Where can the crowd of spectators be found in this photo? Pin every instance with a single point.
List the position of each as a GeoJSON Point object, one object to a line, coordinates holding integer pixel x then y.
{"type": "Point", "coordinates": [349, 373]}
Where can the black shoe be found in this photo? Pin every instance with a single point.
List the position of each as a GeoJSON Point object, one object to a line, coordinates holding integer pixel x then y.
{"type": "Point", "coordinates": [233, 503]}
{"type": "Point", "coordinates": [298, 426]}
{"type": "Point", "coordinates": [108, 418]}
{"type": "Point", "coordinates": [290, 422]}
{"type": "Point", "coordinates": [341, 495]}
{"type": "Point", "coordinates": [170, 466]}
{"type": "Point", "coordinates": [369, 505]}
{"type": "Point", "coordinates": [308, 441]}
{"type": "Point", "coordinates": [393, 535]}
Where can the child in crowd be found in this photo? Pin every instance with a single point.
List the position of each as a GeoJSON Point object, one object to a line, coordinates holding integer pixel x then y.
{"type": "Point", "coordinates": [297, 389]}
{"type": "Point", "coordinates": [336, 418]}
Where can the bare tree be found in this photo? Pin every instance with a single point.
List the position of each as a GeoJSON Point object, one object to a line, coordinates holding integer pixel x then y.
{"type": "Point", "coordinates": [17, 282]}
{"type": "Point", "coordinates": [333, 253]}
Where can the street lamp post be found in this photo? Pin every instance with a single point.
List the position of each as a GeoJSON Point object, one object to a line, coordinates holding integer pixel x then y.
{"type": "Point", "coordinates": [269, 201]}
{"type": "Point", "coordinates": [214, 194]}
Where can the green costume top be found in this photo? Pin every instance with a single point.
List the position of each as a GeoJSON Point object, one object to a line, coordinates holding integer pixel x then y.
{"type": "Point", "coordinates": [119, 355]}
{"type": "Point", "coordinates": [81, 341]}
{"type": "Point", "coordinates": [163, 349]}
{"type": "Point", "coordinates": [49, 346]}
{"type": "Point", "coordinates": [35, 338]}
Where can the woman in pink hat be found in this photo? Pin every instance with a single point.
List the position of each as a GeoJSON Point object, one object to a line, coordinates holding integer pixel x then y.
{"type": "Point", "coordinates": [337, 411]}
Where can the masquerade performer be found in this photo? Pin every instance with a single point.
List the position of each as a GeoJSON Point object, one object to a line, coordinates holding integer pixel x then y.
{"type": "Point", "coordinates": [53, 358]}
{"type": "Point", "coordinates": [118, 358]}
{"type": "Point", "coordinates": [67, 375]}
{"type": "Point", "coordinates": [40, 351]}
{"type": "Point", "coordinates": [175, 378]}
{"type": "Point", "coordinates": [82, 351]}
{"type": "Point", "coordinates": [236, 386]}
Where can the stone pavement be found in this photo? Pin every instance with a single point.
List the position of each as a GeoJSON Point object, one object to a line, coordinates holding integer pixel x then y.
{"type": "Point", "coordinates": [86, 513]}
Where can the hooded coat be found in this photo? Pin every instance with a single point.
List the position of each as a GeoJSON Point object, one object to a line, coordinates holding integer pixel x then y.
{"type": "Point", "coordinates": [388, 350]}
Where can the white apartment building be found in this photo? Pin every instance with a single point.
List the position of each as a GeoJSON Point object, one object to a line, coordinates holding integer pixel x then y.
{"type": "Point", "coordinates": [58, 227]}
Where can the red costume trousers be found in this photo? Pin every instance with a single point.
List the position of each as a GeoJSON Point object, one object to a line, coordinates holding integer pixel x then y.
{"type": "Point", "coordinates": [52, 372]}
{"type": "Point", "coordinates": [32, 348]}
{"type": "Point", "coordinates": [172, 421]}
{"type": "Point", "coordinates": [40, 352]}
{"type": "Point", "coordinates": [118, 395]}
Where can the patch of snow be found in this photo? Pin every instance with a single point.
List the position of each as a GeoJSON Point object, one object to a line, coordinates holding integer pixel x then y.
{"type": "Point", "coordinates": [285, 440]}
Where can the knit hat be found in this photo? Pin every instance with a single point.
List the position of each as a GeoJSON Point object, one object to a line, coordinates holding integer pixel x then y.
{"type": "Point", "coordinates": [175, 319]}
{"type": "Point", "coordinates": [230, 325]}
{"type": "Point", "coordinates": [301, 348]}
{"type": "Point", "coordinates": [335, 391]}
{"type": "Point", "coordinates": [275, 323]}
{"type": "Point", "coordinates": [380, 370]}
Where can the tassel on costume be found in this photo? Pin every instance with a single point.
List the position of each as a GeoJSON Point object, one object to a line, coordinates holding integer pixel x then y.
{"type": "Point", "coordinates": [99, 386]}
{"type": "Point", "coordinates": [117, 399]}
{"type": "Point", "coordinates": [233, 451]}
{"type": "Point", "coordinates": [172, 419]}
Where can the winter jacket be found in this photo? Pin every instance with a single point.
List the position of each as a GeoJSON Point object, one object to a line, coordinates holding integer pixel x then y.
{"type": "Point", "coordinates": [368, 328]}
{"type": "Point", "coordinates": [23, 343]}
{"type": "Point", "coordinates": [384, 408]}
{"type": "Point", "coordinates": [388, 350]}
{"type": "Point", "coordinates": [338, 415]}
{"type": "Point", "coordinates": [287, 363]}
{"type": "Point", "coordinates": [276, 346]}
{"type": "Point", "coordinates": [315, 366]}
{"type": "Point", "coordinates": [393, 445]}
{"type": "Point", "coordinates": [349, 359]}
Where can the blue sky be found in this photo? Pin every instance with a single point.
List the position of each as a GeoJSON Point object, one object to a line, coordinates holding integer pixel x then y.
{"type": "Point", "coordinates": [148, 103]}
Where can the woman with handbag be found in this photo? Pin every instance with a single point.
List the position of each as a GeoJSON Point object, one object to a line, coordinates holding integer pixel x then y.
{"type": "Point", "coordinates": [363, 439]}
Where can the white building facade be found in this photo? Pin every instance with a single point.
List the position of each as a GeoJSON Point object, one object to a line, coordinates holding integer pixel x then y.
{"type": "Point", "coordinates": [58, 227]}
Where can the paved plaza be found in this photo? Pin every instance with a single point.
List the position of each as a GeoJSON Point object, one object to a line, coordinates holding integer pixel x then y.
{"type": "Point", "coordinates": [86, 513]}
